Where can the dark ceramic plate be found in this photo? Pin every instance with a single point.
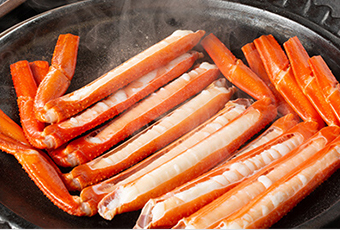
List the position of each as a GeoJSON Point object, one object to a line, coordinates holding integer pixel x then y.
{"type": "Point", "coordinates": [113, 31]}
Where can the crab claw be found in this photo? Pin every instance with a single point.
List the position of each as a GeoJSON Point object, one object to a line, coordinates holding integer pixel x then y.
{"type": "Point", "coordinates": [281, 75]}
{"type": "Point", "coordinates": [39, 70]}
{"type": "Point", "coordinates": [60, 73]}
{"type": "Point", "coordinates": [235, 70]}
{"type": "Point", "coordinates": [307, 81]}
{"type": "Point", "coordinates": [26, 88]}
{"type": "Point", "coordinates": [328, 83]}
{"type": "Point", "coordinates": [40, 168]}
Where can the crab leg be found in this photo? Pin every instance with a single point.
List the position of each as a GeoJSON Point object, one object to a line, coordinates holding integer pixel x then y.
{"type": "Point", "coordinates": [283, 195]}
{"type": "Point", "coordinates": [39, 70]}
{"type": "Point", "coordinates": [43, 172]}
{"type": "Point", "coordinates": [26, 88]}
{"type": "Point", "coordinates": [298, 58]}
{"type": "Point", "coordinates": [167, 210]}
{"type": "Point", "coordinates": [93, 194]}
{"type": "Point", "coordinates": [210, 215]}
{"type": "Point", "coordinates": [60, 73]}
{"type": "Point", "coordinates": [92, 145]}
{"type": "Point", "coordinates": [58, 134]}
{"type": "Point", "coordinates": [280, 126]}
{"type": "Point", "coordinates": [157, 136]}
{"type": "Point", "coordinates": [191, 163]}
{"type": "Point", "coordinates": [255, 63]}
{"type": "Point", "coordinates": [11, 129]}
{"type": "Point", "coordinates": [235, 70]}
{"type": "Point", "coordinates": [159, 54]}
{"type": "Point", "coordinates": [281, 75]}
{"type": "Point", "coordinates": [327, 82]}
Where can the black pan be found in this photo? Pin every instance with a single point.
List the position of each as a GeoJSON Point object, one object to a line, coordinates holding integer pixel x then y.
{"type": "Point", "coordinates": [113, 31]}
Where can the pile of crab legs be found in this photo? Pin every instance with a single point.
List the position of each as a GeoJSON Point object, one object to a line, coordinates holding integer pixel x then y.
{"type": "Point", "coordinates": [189, 165]}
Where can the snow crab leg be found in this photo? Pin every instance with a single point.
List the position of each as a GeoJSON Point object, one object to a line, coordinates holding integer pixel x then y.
{"type": "Point", "coordinates": [39, 70]}
{"type": "Point", "coordinates": [280, 126]}
{"type": "Point", "coordinates": [157, 55]}
{"type": "Point", "coordinates": [191, 163]}
{"type": "Point", "coordinates": [60, 73]}
{"type": "Point", "coordinates": [221, 208]}
{"type": "Point", "coordinates": [92, 145]}
{"type": "Point", "coordinates": [298, 58]}
{"type": "Point", "coordinates": [327, 82]}
{"type": "Point", "coordinates": [11, 129]}
{"type": "Point", "coordinates": [167, 210]}
{"type": "Point", "coordinates": [281, 75]}
{"type": "Point", "coordinates": [57, 134]}
{"type": "Point", "coordinates": [235, 70]}
{"type": "Point", "coordinates": [26, 88]}
{"type": "Point", "coordinates": [255, 63]}
{"type": "Point", "coordinates": [41, 170]}
{"type": "Point", "coordinates": [179, 122]}
{"type": "Point", "coordinates": [93, 194]}
{"type": "Point", "coordinates": [283, 195]}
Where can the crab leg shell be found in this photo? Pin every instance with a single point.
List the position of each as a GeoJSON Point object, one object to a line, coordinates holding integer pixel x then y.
{"type": "Point", "coordinates": [327, 82]}
{"type": "Point", "coordinates": [255, 63]}
{"type": "Point", "coordinates": [179, 122]}
{"type": "Point", "coordinates": [167, 210]}
{"type": "Point", "coordinates": [281, 75]}
{"type": "Point", "coordinates": [60, 133]}
{"type": "Point", "coordinates": [39, 70]}
{"type": "Point", "coordinates": [190, 164]}
{"type": "Point", "coordinates": [44, 174]}
{"type": "Point", "coordinates": [159, 54]}
{"type": "Point", "coordinates": [298, 58]}
{"type": "Point", "coordinates": [211, 215]}
{"type": "Point", "coordinates": [93, 194]}
{"type": "Point", "coordinates": [280, 126]}
{"type": "Point", "coordinates": [25, 87]}
{"type": "Point", "coordinates": [92, 145]}
{"type": "Point", "coordinates": [283, 195]}
{"type": "Point", "coordinates": [60, 73]}
{"type": "Point", "coordinates": [235, 70]}
{"type": "Point", "coordinates": [11, 129]}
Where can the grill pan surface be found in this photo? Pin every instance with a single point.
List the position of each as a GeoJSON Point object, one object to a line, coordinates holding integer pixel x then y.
{"type": "Point", "coordinates": [113, 31]}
